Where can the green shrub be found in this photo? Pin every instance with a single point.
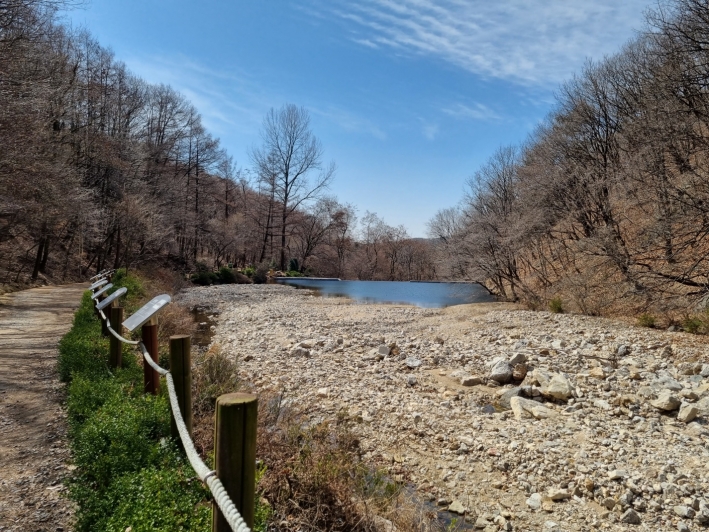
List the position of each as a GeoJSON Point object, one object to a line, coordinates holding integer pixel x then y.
{"type": "Point", "coordinates": [555, 305]}
{"type": "Point", "coordinates": [121, 437]}
{"type": "Point", "coordinates": [227, 275]}
{"type": "Point", "coordinates": [146, 502]}
{"type": "Point", "coordinates": [136, 290]}
{"type": "Point", "coordinates": [692, 324]}
{"type": "Point", "coordinates": [249, 271]}
{"type": "Point", "coordinates": [646, 320]}
{"type": "Point", "coordinates": [205, 278]}
{"type": "Point", "coordinates": [83, 349]}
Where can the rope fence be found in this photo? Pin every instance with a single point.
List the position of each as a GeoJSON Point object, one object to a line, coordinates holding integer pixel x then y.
{"type": "Point", "coordinates": [229, 512]}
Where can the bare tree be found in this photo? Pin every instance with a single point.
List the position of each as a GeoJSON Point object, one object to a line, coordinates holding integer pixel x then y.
{"type": "Point", "coordinates": [289, 155]}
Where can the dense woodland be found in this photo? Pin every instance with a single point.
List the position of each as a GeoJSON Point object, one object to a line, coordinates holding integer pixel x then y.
{"type": "Point", "coordinates": [100, 169]}
{"type": "Point", "coordinates": [606, 205]}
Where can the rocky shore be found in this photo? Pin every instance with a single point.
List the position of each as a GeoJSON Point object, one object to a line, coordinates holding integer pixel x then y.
{"type": "Point", "coordinates": [517, 420]}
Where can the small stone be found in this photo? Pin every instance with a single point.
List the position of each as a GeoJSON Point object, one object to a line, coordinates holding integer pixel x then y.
{"type": "Point", "coordinates": [323, 392]}
{"type": "Point", "coordinates": [682, 527]}
{"type": "Point", "coordinates": [558, 494]}
{"type": "Point", "coordinates": [411, 380]}
{"type": "Point", "coordinates": [300, 352]}
{"type": "Point", "coordinates": [383, 350]}
{"type": "Point", "coordinates": [501, 372]}
{"type": "Point", "coordinates": [630, 517]}
{"type": "Point", "coordinates": [412, 362]}
{"type": "Point", "coordinates": [481, 523]}
{"type": "Point", "coordinates": [470, 380]}
{"type": "Point", "coordinates": [666, 401]}
{"type": "Point", "coordinates": [684, 511]}
{"type": "Point", "coordinates": [517, 358]}
{"type": "Point", "coordinates": [617, 474]}
{"type": "Point", "coordinates": [457, 507]}
{"type": "Point", "coordinates": [558, 344]}
{"type": "Point", "coordinates": [597, 373]}
{"type": "Point", "coordinates": [519, 372]}
{"type": "Point", "coordinates": [609, 503]}
{"type": "Point", "coordinates": [534, 501]}
{"type": "Point", "coordinates": [247, 358]}
{"type": "Point", "coordinates": [504, 398]}
{"type": "Point", "coordinates": [687, 413]}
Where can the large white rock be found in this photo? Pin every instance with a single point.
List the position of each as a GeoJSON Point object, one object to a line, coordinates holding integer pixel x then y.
{"type": "Point", "coordinates": [526, 408]}
{"type": "Point", "coordinates": [687, 413]}
{"type": "Point", "coordinates": [666, 401]}
{"type": "Point", "coordinates": [558, 387]}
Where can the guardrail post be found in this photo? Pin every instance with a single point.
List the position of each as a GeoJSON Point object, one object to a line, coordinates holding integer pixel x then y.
{"type": "Point", "coordinates": [181, 370]}
{"type": "Point", "coordinates": [151, 378]}
{"type": "Point", "coordinates": [115, 357]}
{"type": "Point", "coordinates": [235, 455]}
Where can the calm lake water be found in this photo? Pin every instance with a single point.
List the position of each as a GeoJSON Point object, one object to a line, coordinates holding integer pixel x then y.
{"type": "Point", "coordinates": [432, 295]}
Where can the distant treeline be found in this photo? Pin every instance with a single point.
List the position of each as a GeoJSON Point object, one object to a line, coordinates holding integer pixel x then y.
{"type": "Point", "coordinates": [100, 169]}
{"type": "Point", "coordinates": [607, 204]}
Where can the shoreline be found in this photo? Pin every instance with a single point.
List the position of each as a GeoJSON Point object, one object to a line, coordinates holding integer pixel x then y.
{"type": "Point", "coordinates": [415, 418]}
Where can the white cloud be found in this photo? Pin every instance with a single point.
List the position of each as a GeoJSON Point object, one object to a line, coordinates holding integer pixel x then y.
{"type": "Point", "coordinates": [475, 111]}
{"type": "Point", "coordinates": [531, 42]}
{"type": "Point", "coordinates": [225, 100]}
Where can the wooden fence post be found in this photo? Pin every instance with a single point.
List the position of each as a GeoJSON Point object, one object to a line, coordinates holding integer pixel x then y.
{"type": "Point", "coordinates": [235, 455]}
{"type": "Point", "coordinates": [115, 357]}
{"type": "Point", "coordinates": [151, 378]}
{"type": "Point", "coordinates": [181, 370]}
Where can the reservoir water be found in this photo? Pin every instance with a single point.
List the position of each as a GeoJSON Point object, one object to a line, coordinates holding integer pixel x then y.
{"type": "Point", "coordinates": [421, 294]}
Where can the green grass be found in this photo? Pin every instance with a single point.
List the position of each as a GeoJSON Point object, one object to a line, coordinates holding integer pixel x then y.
{"type": "Point", "coordinates": [129, 471]}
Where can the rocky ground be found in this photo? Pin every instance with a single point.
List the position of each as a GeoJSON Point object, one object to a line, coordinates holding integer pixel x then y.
{"type": "Point", "coordinates": [519, 420]}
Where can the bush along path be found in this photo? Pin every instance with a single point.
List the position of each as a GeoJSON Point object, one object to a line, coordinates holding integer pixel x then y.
{"type": "Point", "coordinates": [33, 450]}
{"type": "Point", "coordinates": [129, 471]}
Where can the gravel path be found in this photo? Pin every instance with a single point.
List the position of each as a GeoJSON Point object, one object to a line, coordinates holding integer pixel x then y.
{"type": "Point", "coordinates": [33, 446]}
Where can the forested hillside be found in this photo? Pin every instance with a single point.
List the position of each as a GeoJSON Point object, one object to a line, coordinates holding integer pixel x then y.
{"type": "Point", "coordinates": [100, 169]}
{"type": "Point", "coordinates": [606, 205]}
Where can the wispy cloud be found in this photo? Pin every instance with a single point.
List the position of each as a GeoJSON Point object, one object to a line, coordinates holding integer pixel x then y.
{"type": "Point", "coordinates": [531, 42]}
{"type": "Point", "coordinates": [430, 131]}
{"type": "Point", "coordinates": [226, 100]}
{"type": "Point", "coordinates": [349, 121]}
{"type": "Point", "coordinates": [475, 111]}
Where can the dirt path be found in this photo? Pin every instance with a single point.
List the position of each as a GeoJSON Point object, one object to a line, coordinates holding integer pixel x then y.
{"type": "Point", "coordinates": [33, 448]}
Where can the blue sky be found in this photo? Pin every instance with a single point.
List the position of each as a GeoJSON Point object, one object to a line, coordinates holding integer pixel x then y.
{"type": "Point", "coordinates": [408, 97]}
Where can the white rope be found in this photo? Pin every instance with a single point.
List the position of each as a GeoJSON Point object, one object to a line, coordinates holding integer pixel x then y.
{"type": "Point", "coordinates": [114, 333]}
{"type": "Point", "coordinates": [206, 475]}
